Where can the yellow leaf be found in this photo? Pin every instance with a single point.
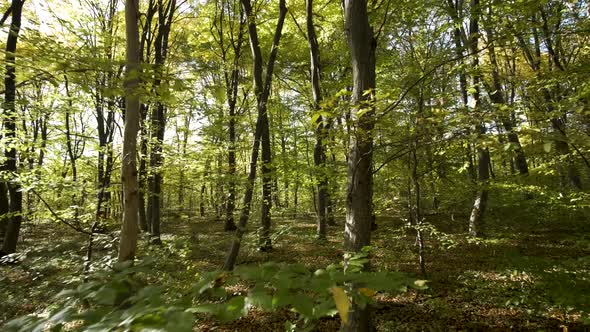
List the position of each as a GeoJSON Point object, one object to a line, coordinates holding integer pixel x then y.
{"type": "Point", "coordinates": [420, 283]}
{"type": "Point", "coordinates": [342, 303]}
{"type": "Point", "coordinates": [367, 292]}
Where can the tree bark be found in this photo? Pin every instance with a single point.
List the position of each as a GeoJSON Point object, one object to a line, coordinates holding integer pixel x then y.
{"type": "Point", "coordinates": [14, 218]}
{"type": "Point", "coordinates": [144, 221]}
{"type": "Point", "coordinates": [483, 154]}
{"type": "Point", "coordinates": [359, 200]}
{"type": "Point", "coordinates": [319, 151]}
{"type": "Point", "coordinates": [232, 82]}
{"type": "Point", "coordinates": [158, 119]}
{"type": "Point", "coordinates": [262, 91]}
{"type": "Point", "coordinates": [4, 210]}
{"type": "Point", "coordinates": [145, 52]}
{"type": "Point", "coordinates": [130, 229]}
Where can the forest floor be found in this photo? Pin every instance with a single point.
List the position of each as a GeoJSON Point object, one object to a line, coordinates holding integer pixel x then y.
{"type": "Point", "coordinates": [528, 273]}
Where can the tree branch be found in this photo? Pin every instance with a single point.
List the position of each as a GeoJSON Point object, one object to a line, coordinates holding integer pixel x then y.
{"type": "Point", "coordinates": [57, 216]}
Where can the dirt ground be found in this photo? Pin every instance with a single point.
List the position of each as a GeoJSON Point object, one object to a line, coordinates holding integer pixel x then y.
{"type": "Point", "coordinates": [526, 274]}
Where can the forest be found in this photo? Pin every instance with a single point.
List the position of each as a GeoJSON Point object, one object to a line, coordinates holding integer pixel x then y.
{"type": "Point", "coordinates": [295, 165]}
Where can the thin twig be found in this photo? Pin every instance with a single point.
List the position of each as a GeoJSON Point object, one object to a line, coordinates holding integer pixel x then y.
{"type": "Point", "coordinates": [57, 216]}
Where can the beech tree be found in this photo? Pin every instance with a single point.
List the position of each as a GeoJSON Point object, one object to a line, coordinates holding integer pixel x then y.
{"type": "Point", "coordinates": [319, 152]}
{"type": "Point", "coordinates": [11, 217]}
{"type": "Point", "coordinates": [130, 228]}
{"type": "Point", "coordinates": [359, 194]}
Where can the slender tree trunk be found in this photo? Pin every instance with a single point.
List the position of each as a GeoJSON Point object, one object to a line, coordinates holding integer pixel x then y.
{"type": "Point", "coordinates": [286, 168]}
{"type": "Point", "coordinates": [297, 180]}
{"type": "Point", "coordinates": [459, 39]}
{"type": "Point", "coordinates": [183, 149]}
{"type": "Point", "coordinates": [262, 91]}
{"type": "Point", "coordinates": [231, 75]}
{"type": "Point", "coordinates": [497, 97]}
{"type": "Point", "coordinates": [105, 123]}
{"type": "Point", "coordinates": [130, 229]}
{"type": "Point", "coordinates": [143, 178]}
{"type": "Point", "coordinates": [417, 213]}
{"type": "Point", "coordinates": [69, 144]}
{"type": "Point", "coordinates": [14, 218]}
{"type": "Point", "coordinates": [71, 149]}
{"type": "Point", "coordinates": [265, 220]}
{"type": "Point", "coordinates": [145, 52]}
{"type": "Point", "coordinates": [483, 154]}
{"type": "Point", "coordinates": [319, 152]}
{"type": "Point", "coordinates": [230, 225]}
{"type": "Point", "coordinates": [202, 200]}
{"type": "Point", "coordinates": [158, 119]}
{"type": "Point", "coordinates": [155, 181]}
{"type": "Point", "coordinates": [359, 200]}
{"type": "Point", "coordinates": [4, 210]}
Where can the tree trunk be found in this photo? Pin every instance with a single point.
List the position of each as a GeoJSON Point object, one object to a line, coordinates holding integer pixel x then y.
{"type": "Point", "coordinates": [262, 92]}
{"type": "Point", "coordinates": [231, 74]}
{"type": "Point", "coordinates": [483, 154]}
{"type": "Point", "coordinates": [158, 120]}
{"type": "Point", "coordinates": [4, 210]}
{"type": "Point", "coordinates": [183, 149]}
{"type": "Point", "coordinates": [319, 151]}
{"type": "Point", "coordinates": [155, 181]}
{"type": "Point", "coordinates": [359, 200]}
{"type": "Point", "coordinates": [143, 178]}
{"type": "Point", "coordinates": [460, 41]}
{"type": "Point", "coordinates": [417, 197]}
{"type": "Point", "coordinates": [14, 220]}
{"type": "Point", "coordinates": [264, 242]}
{"type": "Point", "coordinates": [497, 96]}
{"type": "Point", "coordinates": [144, 53]}
{"type": "Point", "coordinates": [130, 229]}
{"type": "Point", "coordinates": [202, 200]}
{"type": "Point", "coordinates": [230, 225]}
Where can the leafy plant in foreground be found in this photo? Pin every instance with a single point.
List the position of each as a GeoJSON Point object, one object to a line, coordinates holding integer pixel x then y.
{"type": "Point", "coordinates": [117, 300]}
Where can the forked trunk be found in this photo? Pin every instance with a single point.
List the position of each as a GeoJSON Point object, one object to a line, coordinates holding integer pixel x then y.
{"type": "Point", "coordinates": [262, 91]}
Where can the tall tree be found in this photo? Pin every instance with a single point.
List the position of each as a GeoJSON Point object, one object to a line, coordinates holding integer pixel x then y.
{"type": "Point", "coordinates": [262, 92]}
{"type": "Point", "coordinates": [455, 9]}
{"type": "Point", "coordinates": [105, 106]}
{"type": "Point", "coordinates": [359, 200]}
{"type": "Point", "coordinates": [145, 57]}
{"type": "Point", "coordinates": [483, 154]}
{"type": "Point", "coordinates": [166, 12]}
{"type": "Point", "coordinates": [15, 206]}
{"type": "Point", "coordinates": [321, 130]}
{"type": "Point", "coordinates": [130, 227]}
{"type": "Point", "coordinates": [230, 48]}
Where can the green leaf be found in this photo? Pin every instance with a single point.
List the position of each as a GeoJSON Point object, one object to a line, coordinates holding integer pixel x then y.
{"type": "Point", "coordinates": [302, 304]}
{"type": "Point", "coordinates": [281, 298]}
{"type": "Point", "coordinates": [233, 309]}
{"type": "Point", "coordinates": [259, 296]}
